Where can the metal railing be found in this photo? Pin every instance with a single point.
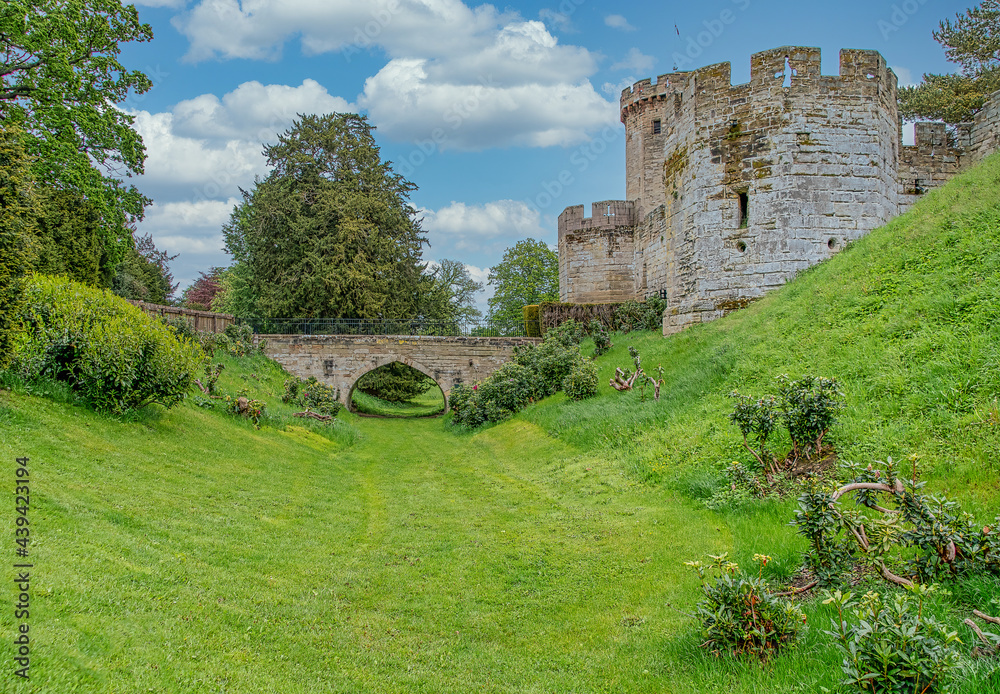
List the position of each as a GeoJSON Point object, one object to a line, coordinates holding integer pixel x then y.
{"type": "Point", "coordinates": [414, 326]}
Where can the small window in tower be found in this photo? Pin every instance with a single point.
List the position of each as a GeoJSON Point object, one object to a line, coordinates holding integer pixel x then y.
{"type": "Point", "coordinates": [744, 210]}
{"type": "Point", "coordinates": [656, 126]}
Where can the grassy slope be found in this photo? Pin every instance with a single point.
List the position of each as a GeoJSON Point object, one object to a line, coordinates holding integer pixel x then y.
{"type": "Point", "coordinates": [186, 552]}
{"type": "Point", "coordinates": [906, 319]}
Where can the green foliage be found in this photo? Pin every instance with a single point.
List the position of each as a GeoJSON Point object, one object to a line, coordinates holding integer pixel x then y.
{"type": "Point", "coordinates": [739, 614]}
{"type": "Point", "coordinates": [930, 535]}
{"type": "Point", "coordinates": [973, 42]}
{"type": "Point", "coordinates": [532, 325]}
{"type": "Point", "coordinates": [235, 295]}
{"type": "Point", "coordinates": [18, 209]}
{"type": "Point", "coordinates": [395, 382]}
{"type": "Point", "coordinates": [329, 233]}
{"type": "Point", "coordinates": [527, 275]}
{"type": "Point", "coordinates": [537, 372]}
{"type": "Point", "coordinates": [601, 337]}
{"type": "Point", "coordinates": [312, 394]}
{"type": "Point", "coordinates": [111, 353]}
{"type": "Point", "coordinates": [756, 419]}
{"type": "Point", "coordinates": [742, 487]}
{"type": "Point", "coordinates": [242, 405]}
{"type": "Point", "coordinates": [211, 378]}
{"type": "Point", "coordinates": [893, 647]}
{"type": "Point", "coordinates": [70, 241]}
{"type": "Point", "coordinates": [144, 273]}
{"type": "Point", "coordinates": [61, 81]}
{"type": "Point", "coordinates": [640, 315]}
{"type": "Point", "coordinates": [581, 382]}
{"type": "Point", "coordinates": [448, 293]}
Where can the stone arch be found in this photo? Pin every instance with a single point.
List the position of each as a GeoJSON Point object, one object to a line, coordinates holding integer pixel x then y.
{"type": "Point", "coordinates": [384, 360]}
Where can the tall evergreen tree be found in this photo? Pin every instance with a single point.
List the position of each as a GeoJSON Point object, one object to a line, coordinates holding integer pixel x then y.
{"type": "Point", "coordinates": [330, 232]}
{"type": "Point", "coordinates": [973, 42]}
{"type": "Point", "coordinates": [18, 211]}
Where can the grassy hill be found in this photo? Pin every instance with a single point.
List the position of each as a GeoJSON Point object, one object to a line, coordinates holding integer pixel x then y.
{"type": "Point", "coordinates": [185, 551]}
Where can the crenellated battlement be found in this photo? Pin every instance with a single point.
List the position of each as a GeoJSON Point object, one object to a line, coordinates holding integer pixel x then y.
{"type": "Point", "coordinates": [768, 70]}
{"type": "Point", "coordinates": [734, 189]}
{"type": "Point", "coordinates": [604, 216]}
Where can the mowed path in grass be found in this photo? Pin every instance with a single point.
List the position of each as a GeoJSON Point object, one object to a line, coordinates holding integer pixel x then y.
{"type": "Point", "coordinates": [192, 554]}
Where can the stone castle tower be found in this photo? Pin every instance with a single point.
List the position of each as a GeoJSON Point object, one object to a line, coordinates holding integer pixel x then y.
{"type": "Point", "coordinates": [732, 190]}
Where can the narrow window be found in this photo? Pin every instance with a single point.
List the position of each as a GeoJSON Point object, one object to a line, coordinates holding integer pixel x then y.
{"type": "Point", "coordinates": [656, 126]}
{"type": "Point", "coordinates": [744, 210]}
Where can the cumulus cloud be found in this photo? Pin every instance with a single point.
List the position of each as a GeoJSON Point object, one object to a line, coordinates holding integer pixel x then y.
{"type": "Point", "coordinates": [614, 89]}
{"type": "Point", "coordinates": [637, 61]}
{"type": "Point", "coordinates": [488, 79]}
{"type": "Point", "coordinates": [616, 21]}
{"type": "Point", "coordinates": [258, 29]}
{"type": "Point", "coordinates": [904, 74]}
{"type": "Point", "coordinates": [477, 228]}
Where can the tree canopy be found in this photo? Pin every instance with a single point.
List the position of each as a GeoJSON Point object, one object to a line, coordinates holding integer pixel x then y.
{"type": "Point", "coordinates": [450, 293]}
{"type": "Point", "coordinates": [59, 81]}
{"type": "Point", "coordinates": [973, 42]}
{"type": "Point", "coordinates": [330, 232]}
{"type": "Point", "coordinates": [527, 275]}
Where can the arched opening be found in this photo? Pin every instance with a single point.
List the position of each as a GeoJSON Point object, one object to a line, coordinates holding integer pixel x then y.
{"type": "Point", "coordinates": [392, 387]}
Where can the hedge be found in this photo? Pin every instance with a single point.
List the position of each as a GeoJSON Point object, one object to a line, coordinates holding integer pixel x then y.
{"type": "Point", "coordinates": [532, 326]}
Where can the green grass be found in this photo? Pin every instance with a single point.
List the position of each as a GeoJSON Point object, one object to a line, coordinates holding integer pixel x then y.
{"type": "Point", "coordinates": [424, 405]}
{"type": "Point", "coordinates": [185, 551]}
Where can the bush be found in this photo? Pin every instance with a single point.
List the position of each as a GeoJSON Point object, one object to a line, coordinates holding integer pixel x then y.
{"type": "Point", "coordinates": [312, 394]}
{"type": "Point", "coordinates": [395, 382]}
{"type": "Point", "coordinates": [244, 406]}
{"type": "Point", "coordinates": [739, 614]}
{"type": "Point", "coordinates": [111, 353]}
{"type": "Point", "coordinates": [532, 324]}
{"type": "Point", "coordinates": [581, 382]}
{"type": "Point", "coordinates": [640, 315]}
{"type": "Point", "coordinates": [894, 648]}
{"type": "Point", "coordinates": [601, 337]}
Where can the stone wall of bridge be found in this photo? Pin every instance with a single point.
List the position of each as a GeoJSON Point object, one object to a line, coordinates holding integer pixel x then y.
{"type": "Point", "coordinates": [340, 360]}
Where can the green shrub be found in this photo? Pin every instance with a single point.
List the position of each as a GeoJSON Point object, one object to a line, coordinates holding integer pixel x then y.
{"type": "Point", "coordinates": [809, 407]}
{"type": "Point", "coordinates": [112, 354]}
{"type": "Point", "coordinates": [581, 382]}
{"type": "Point", "coordinates": [601, 337]}
{"type": "Point", "coordinates": [739, 614]}
{"type": "Point", "coordinates": [532, 324]}
{"type": "Point", "coordinates": [395, 382]}
{"type": "Point", "coordinates": [894, 647]}
{"type": "Point", "coordinates": [312, 394]}
{"type": "Point", "coordinates": [182, 327]}
{"type": "Point", "coordinates": [242, 405]}
{"type": "Point", "coordinates": [640, 315]}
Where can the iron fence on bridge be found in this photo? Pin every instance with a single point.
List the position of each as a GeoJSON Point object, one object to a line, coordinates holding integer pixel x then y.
{"type": "Point", "coordinates": [415, 326]}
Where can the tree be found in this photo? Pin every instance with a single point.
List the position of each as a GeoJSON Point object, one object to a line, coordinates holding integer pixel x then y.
{"type": "Point", "coordinates": [329, 233]}
{"type": "Point", "coordinates": [18, 210]}
{"type": "Point", "coordinates": [450, 293]}
{"type": "Point", "coordinates": [69, 239]}
{"type": "Point", "coordinates": [973, 42]}
{"type": "Point", "coordinates": [527, 275]}
{"type": "Point", "coordinates": [202, 292]}
{"type": "Point", "coordinates": [59, 81]}
{"type": "Point", "coordinates": [144, 274]}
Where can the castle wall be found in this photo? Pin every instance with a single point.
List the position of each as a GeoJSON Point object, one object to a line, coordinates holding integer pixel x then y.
{"type": "Point", "coordinates": [815, 161]}
{"type": "Point", "coordinates": [597, 254]}
{"type": "Point", "coordinates": [736, 189]}
{"type": "Point", "coordinates": [985, 138]}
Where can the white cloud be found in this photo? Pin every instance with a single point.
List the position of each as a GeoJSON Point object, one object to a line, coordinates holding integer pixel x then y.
{"type": "Point", "coordinates": [616, 21]}
{"type": "Point", "coordinates": [559, 20]}
{"type": "Point", "coordinates": [637, 61]}
{"type": "Point", "coordinates": [614, 89]}
{"type": "Point", "coordinates": [258, 29]}
{"type": "Point", "coordinates": [521, 89]}
{"type": "Point", "coordinates": [904, 74]}
{"type": "Point", "coordinates": [477, 228]}
{"type": "Point", "coordinates": [160, 3]}
{"type": "Point", "coordinates": [486, 79]}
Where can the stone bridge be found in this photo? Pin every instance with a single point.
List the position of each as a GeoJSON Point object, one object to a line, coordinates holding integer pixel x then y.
{"type": "Point", "coordinates": [340, 360]}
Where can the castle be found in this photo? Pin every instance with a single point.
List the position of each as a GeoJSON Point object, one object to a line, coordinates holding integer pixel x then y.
{"type": "Point", "coordinates": [732, 190]}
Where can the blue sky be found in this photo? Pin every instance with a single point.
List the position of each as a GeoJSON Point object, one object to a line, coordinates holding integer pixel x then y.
{"type": "Point", "coordinates": [502, 115]}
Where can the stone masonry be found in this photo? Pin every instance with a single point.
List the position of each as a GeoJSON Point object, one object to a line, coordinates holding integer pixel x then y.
{"type": "Point", "coordinates": [733, 190]}
{"type": "Point", "coordinates": [340, 360]}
